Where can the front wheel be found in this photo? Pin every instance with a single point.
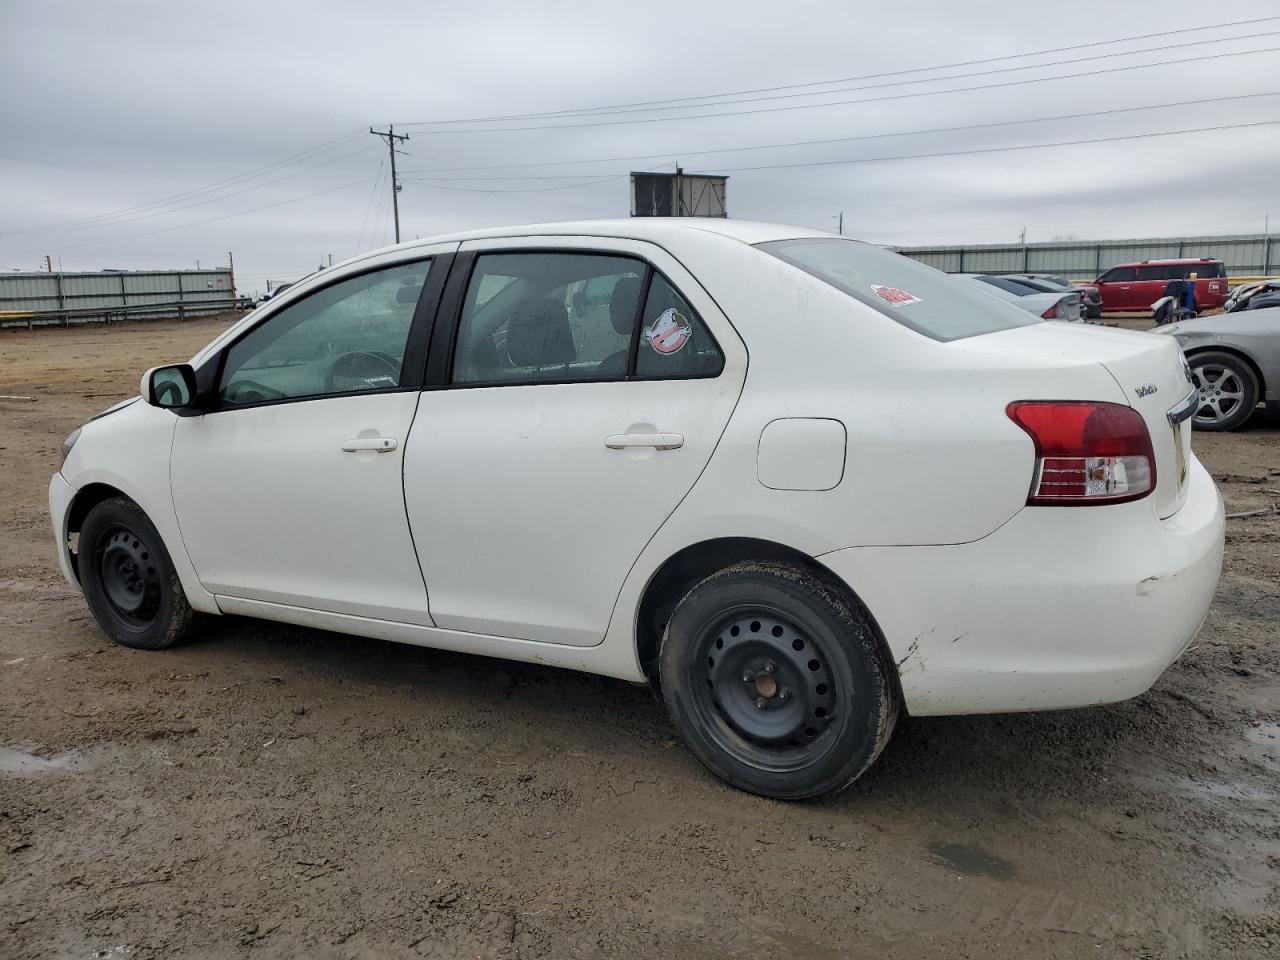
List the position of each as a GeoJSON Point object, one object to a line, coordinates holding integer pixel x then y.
{"type": "Point", "coordinates": [1228, 390]}
{"type": "Point", "coordinates": [128, 579]}
{"type": "Point", "coordinates": [777, 681]}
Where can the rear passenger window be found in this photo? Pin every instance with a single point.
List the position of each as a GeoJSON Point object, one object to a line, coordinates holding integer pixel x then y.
{"type": "Point", "coordinates": [547, 317]}
{"type": "Point", "coordinates": [562, 317]}
{"type": "Point", "coordinates": [1118, 275]}
{"type": "Point", "coordinates": [674, 342]}
{"type": "Point", "coordinates": [1156, 273]}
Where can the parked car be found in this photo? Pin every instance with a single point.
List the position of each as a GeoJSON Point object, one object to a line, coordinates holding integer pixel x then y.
{"type": "Point", "coordinates": [1047, 286]}
{"type": "Point", "coordinates": [1089, 295]}
{"type": "Point", "coordinates": [902, 502]}
{"type": "Point", "coordinates": [1047, 306]}
{"type": "Point", "coordinates": [1235, 363]}
{"type": "Point", "coordinates": [275, 292]}
{"type": "Point", "coordinates": [1255, 295]}
{"type": "Point", "coordinates": [1136, 286]}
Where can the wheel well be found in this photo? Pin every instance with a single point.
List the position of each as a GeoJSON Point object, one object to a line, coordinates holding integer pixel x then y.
{"type": "Point", "coordinates": [85, 500]}
{"type": "Point", "coordinates": [682, 571]}
{"type": "Point", "coordinates": [1215, 348]}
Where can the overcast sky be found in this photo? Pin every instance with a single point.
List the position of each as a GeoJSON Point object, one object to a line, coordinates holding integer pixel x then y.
{"type": "Point", "coordinates": [122, 126]}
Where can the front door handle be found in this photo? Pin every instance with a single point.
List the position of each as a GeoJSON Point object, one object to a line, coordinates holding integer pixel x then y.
{"type": "Point", "coordinates": [659, 441]}
{"type": "Point", "coordinates": [376, 444]}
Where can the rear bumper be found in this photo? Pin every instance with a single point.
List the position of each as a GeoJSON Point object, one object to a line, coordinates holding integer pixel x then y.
{"type": "Point", "coordinates": [1060, 607]}
{"type": "Point", "coordinates": [61, 494]}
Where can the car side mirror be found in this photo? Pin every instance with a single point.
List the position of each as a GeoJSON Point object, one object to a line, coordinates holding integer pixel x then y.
{"type": "Point", "coordinates": [172, 387]}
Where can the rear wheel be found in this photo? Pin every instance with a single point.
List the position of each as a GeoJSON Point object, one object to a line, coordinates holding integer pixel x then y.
{"type": "Point", "coordinates": [777, 682]}
{"type": "Point", "coordinates": [128, 579]}
{"type": "Point", "coordinates": [1228, 389]}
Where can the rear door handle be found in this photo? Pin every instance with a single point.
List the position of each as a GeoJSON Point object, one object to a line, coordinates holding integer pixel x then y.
{"type": "Point", "coordinates": [659, 441]}
{"type": "Point", "coordinates": [376, 444]}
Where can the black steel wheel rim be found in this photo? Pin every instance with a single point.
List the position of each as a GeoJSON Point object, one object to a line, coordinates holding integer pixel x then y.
{"type": "Point", "coordinates": [129, 575]}
{"type": "Point", "coordinates": [765, 689]}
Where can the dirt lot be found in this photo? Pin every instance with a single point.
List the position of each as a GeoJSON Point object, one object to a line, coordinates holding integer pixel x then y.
{"type": "Point", "coordinates": [273, 791]}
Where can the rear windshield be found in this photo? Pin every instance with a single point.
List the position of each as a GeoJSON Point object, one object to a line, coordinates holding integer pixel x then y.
{"type": "Point", "coordinates": [919, 297]}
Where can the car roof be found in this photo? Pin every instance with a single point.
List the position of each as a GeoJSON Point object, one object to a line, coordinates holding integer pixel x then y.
{"type": "Point", "coordinates": [1176, 260]}
{"type": "Point", "coordinates": [655, 229]}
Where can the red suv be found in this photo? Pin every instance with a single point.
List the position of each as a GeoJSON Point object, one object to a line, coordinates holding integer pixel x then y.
{"type": "Point", "coordinates": [1135, 286]}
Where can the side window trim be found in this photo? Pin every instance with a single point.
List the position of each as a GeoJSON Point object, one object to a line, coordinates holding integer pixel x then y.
{"type": "Point", "coordinates": [637, 329]}
{"type": "Point", "coordinates": [209, 374]}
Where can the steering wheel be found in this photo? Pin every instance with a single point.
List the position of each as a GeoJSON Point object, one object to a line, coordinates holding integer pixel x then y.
{"type": "Point", "coordinates": [363, 370]}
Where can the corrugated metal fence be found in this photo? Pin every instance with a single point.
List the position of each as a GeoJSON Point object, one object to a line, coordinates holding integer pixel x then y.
{"type": "Point", "coordinates": [114, 292]}
{"type": "Point", "coordinates": [1244, 255]}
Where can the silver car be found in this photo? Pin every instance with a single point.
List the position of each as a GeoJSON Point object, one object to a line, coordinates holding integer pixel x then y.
{"type": "Point", "coordinates": [1235, 363]}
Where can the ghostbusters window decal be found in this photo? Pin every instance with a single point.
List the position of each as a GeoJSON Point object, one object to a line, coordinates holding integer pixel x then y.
{"type": "Point", "coordinates": [669, 333]}
{"type": "Point", "coordinates": [674, 342]}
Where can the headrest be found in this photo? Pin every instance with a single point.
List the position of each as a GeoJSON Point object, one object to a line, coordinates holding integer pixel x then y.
{"type": "Point", "coordinates": [538, 334]}
{"type": "Point", "coordinates": [622, 304]}
{"type": "Point", "coordinates": [408, 291]}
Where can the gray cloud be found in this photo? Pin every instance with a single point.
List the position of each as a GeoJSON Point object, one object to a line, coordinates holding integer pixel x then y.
{"type": "Point", "coordinates": [107, 108]}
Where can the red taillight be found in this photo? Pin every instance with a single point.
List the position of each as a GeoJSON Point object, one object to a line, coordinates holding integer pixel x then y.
{"type": "Point", "coordinates": [1086, 452]}
{"type": "Point", "coordinates": [1050, 314]}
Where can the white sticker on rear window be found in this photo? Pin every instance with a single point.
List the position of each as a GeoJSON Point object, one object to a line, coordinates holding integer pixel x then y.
{"type": "Point", "coordinates": [893, 295]}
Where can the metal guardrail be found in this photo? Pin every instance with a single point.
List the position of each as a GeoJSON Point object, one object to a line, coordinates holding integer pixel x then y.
{"type": "Point", "coordinates": [181, 309]}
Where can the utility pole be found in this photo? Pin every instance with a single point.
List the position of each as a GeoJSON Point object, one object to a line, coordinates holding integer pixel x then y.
{"type": "Point", "coordinates": [840, 224]}
{"type": "Point", "coordinates": [679, 190]}
{"type": "Point", "coordinates": [231, 264]}
{"type": "Point", "coordinates": [48, 264]}
{"type": "Point", "coordinates": [392, 139]}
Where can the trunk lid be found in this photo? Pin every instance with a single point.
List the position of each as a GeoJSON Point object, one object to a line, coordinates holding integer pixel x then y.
{"type": "Point", "coordinates": [1151, 376]}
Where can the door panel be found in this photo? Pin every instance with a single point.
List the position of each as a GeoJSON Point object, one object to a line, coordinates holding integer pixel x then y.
{"type": "Point", "coordinates": [529, 502]}
{"type": "Point", "coordinates": [272, 507]}
{"type": "Point", "coordinates": [289, 489]}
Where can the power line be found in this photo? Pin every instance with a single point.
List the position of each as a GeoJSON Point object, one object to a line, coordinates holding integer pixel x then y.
{"type": "Point", "coordinates": [872, 76]}
{"type": "Point", "coordinates": [897, 96]}
{"type": "Point", "coordinates": [569, 186]}
{"type": "Point", "coordinates": [377, 178]}
{"type": "Point", "coordinates": [876, 76]}
{"type": "Point", "coordinates": [225, 196]}
{"type": "Point", "coordinates": [904, 156]}
{"type": "Point", "coordinates": [197, 191]}
{"type": "Point", "coordinates": [1028, 146]}
{"type": "Point", "coordinates": [828, 140]}
{"type": "Point", "coordinates": [227, 216]}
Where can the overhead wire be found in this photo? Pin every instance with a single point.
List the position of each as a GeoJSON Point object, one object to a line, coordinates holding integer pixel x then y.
{"type": "Point", "coordinates": [1199, 30]}
{"type": "Point", "coordinates": [196, 191]}
{"type": "Point", "coordinates": [1180, 61]}
{"type": "Point", "coordinates": [826, 141]}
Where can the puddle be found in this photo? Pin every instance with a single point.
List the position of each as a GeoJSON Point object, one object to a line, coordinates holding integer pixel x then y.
{"type": "Point", "coordinates": [1223, 791]}
{"type": "Point", "coordinates": [22, 763]}
{"type": "Point", "coordinates": [973, 861]}
{"type": "Point", "coordinates": [1266, 734]}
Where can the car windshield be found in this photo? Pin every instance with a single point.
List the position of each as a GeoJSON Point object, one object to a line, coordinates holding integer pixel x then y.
{"type": "Point", "coordinates": [916, 296]}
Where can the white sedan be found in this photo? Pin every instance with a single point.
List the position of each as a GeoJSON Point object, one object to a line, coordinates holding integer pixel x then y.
{"type": "Point", "coordinates": [799, 483]}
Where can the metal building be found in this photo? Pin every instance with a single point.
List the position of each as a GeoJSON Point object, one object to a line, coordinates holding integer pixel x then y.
{"type": "Point", "coordinates": [109, 294]}
{"type": "Point", "coordinates": [1245, 255]}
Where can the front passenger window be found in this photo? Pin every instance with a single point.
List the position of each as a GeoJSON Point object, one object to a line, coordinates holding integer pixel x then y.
{"type": "Point", "coordinates": [349, 337]}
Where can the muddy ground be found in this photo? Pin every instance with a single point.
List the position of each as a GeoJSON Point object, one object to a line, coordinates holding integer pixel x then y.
{"type": "Point", "coordinates": [274, 791]}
